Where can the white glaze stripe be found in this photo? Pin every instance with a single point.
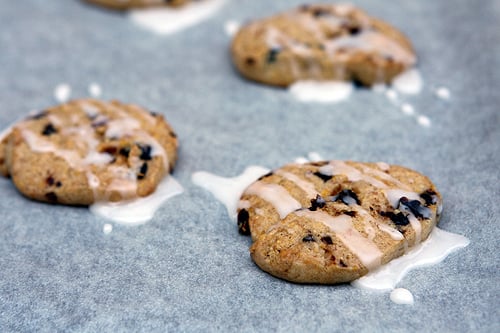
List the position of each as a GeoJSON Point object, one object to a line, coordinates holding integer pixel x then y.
{"type": "Point", "coordinates": [367, 252]}
{"type": "Point", "coordinates": [304, 185]}
{"type": "Point", "coordinates": [276, 195]}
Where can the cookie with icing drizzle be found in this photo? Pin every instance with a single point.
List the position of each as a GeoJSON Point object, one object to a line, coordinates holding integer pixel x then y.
{"type": "Point", "coordinates": [129, 4]}
{"type": "Point", "coordinates": [332, 222]}
{"type": "Point", "coordinates": [321, 42]}
{"type": "Point", "coordinates": [88, 150]}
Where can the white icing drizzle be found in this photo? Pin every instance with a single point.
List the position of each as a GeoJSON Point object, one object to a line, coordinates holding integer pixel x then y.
{"type": "Point", "coordinates": [393, 196]}
{"type": "Point", "coordinates": [370, 41]}
{"type": "Point", "coordinates": [409, 82]}
{"type": "Point", "coordinates": [443, 93]}
{"type": "Point", "coordinates": [394, 233]}
{"type": "Point", "coordinates": [436, 248]}
{"type": "Point", "coordinates": [424, 121]}
{"type": "Point", "coordinates": [231, 27]}
{"type": "Point", "coordinates": [165, 20]}
{"type": "Point", "coordinates": [367, 252]}
{"type": "Point", "coordinates": [228, 190]}
{"type": "Point", "coordinates": [402, 296]}
{"type": "Point", "coordinates": [276, 195]}
{"type": "Point", "coordinates": [408, 109]}
{"type": "Point", "coordinates": [383, 166]}
{"type": "Point", "coordinates": [62, 92]}
{"type": "Point", "coordinates": [95, 90]}
{"type": "Point", "coordinates": [107, 228]}
{"type": "Point", "coordinates": [353, 174]}
{"type": "Point", "coordinates": [139, 210]}
{"type": "Point", "coordinates": [306, 186]}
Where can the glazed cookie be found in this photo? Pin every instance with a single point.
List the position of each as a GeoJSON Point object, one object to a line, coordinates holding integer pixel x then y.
{"type": "Point", "coordinates": [88, 150]}
{"type": "Point", "coordinates": [128, 4]}
{"type": "Point", "coordinates": [332, 222]}
{"type": "Point", "coordinates": [321, 42]}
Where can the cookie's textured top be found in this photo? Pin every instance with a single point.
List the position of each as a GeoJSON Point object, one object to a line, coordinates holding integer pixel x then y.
{"type": "Point", "coordinates": [331, 222]}
{"type": "Point", "coordinates": [88, 150]}
{"type": "Point", "coordinates": [323, 42]}
{"type": "Point", "coordinates": [127, 4]}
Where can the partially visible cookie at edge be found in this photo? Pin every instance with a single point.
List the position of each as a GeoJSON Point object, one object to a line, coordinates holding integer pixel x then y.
{"type": "Point", "coordinates": [331, 222]}
{"type": "Point", "coordinates": [88, 150]}
{"type": "Point", "coordinates": [321, 42]}
{"type": "Point", "coordinates": [129, 4]}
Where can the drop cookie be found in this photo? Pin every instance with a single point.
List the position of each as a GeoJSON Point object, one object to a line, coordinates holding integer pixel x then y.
{"type": "Point", "coordinates": [321, 42]}
{"type": "Point", "coordinates": [129, 4]}
{"type": "Point", "coordinates": [332, 222]}
{"type": "Point", "coordinates": [88, 150]}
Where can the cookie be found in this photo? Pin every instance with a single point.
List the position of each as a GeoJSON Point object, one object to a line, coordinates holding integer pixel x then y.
{"type": "Point", "coordinates": [88, 150]}
{"type": "Point", "coordinates": [129, 4]}
{"type": "Point", "coordinates": [332, 222]}
{"type": "Point", "coordinates": [321, 42]}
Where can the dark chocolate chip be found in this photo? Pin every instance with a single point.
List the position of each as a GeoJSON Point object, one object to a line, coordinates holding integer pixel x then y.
{"type": "Point", "coordinates": [342, 263]}
{"type": "Point", "coordinates": [50, 180]}
{"type": "Point", "coordinates": [125, 151]}
{"type": "Point", "coordinates": [319, 163]}
{"type": "Point", "coordinates": [323, 177]}
{"type": "Point", "coordinates": [49, 129]}
{"type": "Point", "coordinates": [316, 203]}
{"type": "Point", "coordinates": [243, 225]}
{"type": "Point", "coordinates": [350, 213]}
{"type": "Point", "coordinates": [172, 134]}
{"type": "Point", "coordinates": [99, 123]}
{"type": "Point", "coordinates": [398, 219]}
{"type": "Point", "coordinates": [269, 174]}
{"type": "Point", "coordinates": [143, 171]}
{"type": "Point", "coordinates": [354, 30]}
{"type": "Point", "coordinates": [358, 83]}
{"type": "Point", "coordinates": [415, 207]}
{"type": "Point", "coordinates": [145, 152]}
{"type": "Point", "coordinates": [112, 150]}
{"type": "Point", "coordinates": [39, 115]}
{"type": "Point", "coordinates": [308, 238]}
{"type": "Point", "coordinates": [51, 196]}
{"type": "Point", "coordinates": [348, 197]}
{"type": "Point", "coordinates": [250, 61]}
{"type": "Point", "coordinates": [430, 197]}
{"type": "Point", "coordinates": [327, 240]}
{"type": "Point", "coordinates": [272, 55]}
{"type": "Point", "coordinates": [58, 184]}
{"type": "Point", "coordinates": [320, 12]}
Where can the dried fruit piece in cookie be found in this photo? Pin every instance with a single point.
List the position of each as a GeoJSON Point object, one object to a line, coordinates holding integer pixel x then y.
{"type": "Point", "coordinates": [321, 42]}
{"type": "Point", "coordinates": [332, 222]}
{"type": "Point", "coordinates": [88, 150]}
{"type": "Point", "coordinates": [128, 4]}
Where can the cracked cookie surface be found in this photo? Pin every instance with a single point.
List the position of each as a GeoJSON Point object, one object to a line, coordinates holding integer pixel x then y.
{"type": "Point", "coordinates": [88, 150]}
{"type": "Point", "coordinates": [331, 222]}
{"type": "Point", "coordinates": [321, 42]}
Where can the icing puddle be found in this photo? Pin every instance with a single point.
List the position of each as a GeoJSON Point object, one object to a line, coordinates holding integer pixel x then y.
{"type": "Point", "coordinates": [321, 91]}
{"type": "Point", "coordinates": [140, 210]}
{"type": "Point", "coordinates": [433, 250]}
{"type": "Point", "coordinates": [166, 20]}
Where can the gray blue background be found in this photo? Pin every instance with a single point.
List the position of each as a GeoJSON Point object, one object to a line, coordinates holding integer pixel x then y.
{"type": "Point", "coordinates": [188, 269]}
